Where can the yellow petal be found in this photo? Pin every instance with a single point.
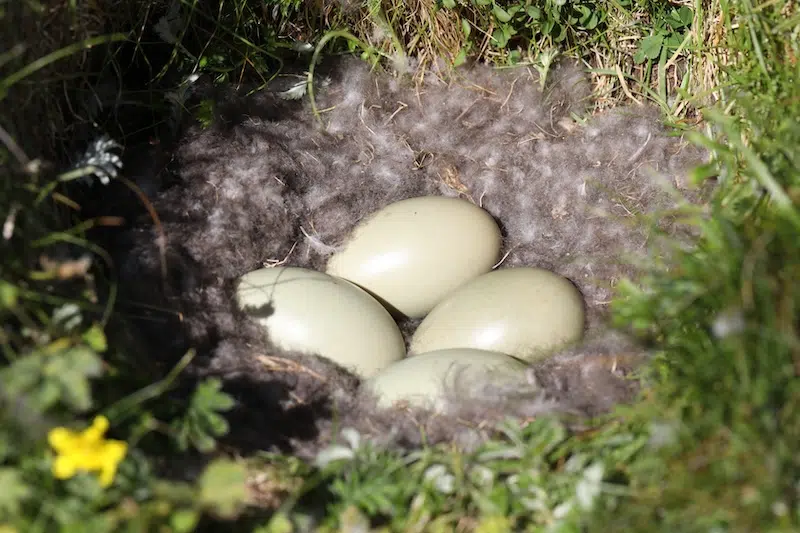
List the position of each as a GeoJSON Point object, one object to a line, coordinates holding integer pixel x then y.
{"type": "Point", "coordinates": [95, 432]}
{"type": "Point", "coordinates": [113, 453]}
{"type": "Point", "coordinates": [115, 449]}
{"type": "Point", "coordinates": [107, 475]}
{"type": "Point", "coordinates": [60, 438]}
{"type": "Point", "coordinates": [64, 467]}
{"type": "Point", "coordinates": [88, 459]}
{"type": "Point", "coordinates": [100, 423]}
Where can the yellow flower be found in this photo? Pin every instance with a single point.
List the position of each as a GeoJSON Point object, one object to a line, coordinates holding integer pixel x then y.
{"type": "Point", "coordinates": [86, 451]}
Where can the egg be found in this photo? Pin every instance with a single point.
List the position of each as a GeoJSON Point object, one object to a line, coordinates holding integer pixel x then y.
{"type": "Point", "coordinates": [426, 380]}
{"type": "Point", "coordinates": [522, 312]}
{"type": "Point", "coordinates": [314, 313]}
{"type": "Point", "coordinates": [413, 253]}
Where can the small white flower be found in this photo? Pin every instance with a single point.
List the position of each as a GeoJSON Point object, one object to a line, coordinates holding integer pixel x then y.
{"type": "Point", "coordinates": [334, 453]}
{"type": "Point", "coordinates": [482, 475]}
{"type": "Point", "coordinates": [780, 509]}
{"type": "Point", "coordinates": [103, 163]}
{"type": "Point", "coordinates": [728, 323]}
{"type": "Point", "coordinates": [537, 500]}
{"type": "Point", "coordinates": [68, 316]}
{"type": "Point", "coordinates": [352, 437]}
{"type": "Point", "coordinates": [338, 452]}
{"type": "Point", "coordinates": [589, 487]}
{"type": "Point", "coordinates": [9, 224]}
{"type": "Point", "coordinates": [562, 510]}
{"type": "Point", "coordinates": [442, 480]}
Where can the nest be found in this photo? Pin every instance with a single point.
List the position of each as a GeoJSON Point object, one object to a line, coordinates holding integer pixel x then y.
{"type": "Point", "coordinates": [267, 183]}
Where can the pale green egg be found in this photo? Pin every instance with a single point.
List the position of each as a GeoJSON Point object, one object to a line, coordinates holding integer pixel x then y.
{"type": "Point", "coordinates": [413, 253]}
{"type": "Point", "coordinates": [314, 313]}
{"type": "Point", "coordinates": [522, 312]}
{"type": "Point", "coordinates": [428, 379]}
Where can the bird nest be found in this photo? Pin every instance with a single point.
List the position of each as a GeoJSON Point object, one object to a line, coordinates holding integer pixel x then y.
{"type": "Point", "coordinates": [268, 183]}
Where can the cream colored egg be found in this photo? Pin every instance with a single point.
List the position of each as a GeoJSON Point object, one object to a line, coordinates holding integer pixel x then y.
{"type": "Point", "coordinates": [314, 313]}
{"type": "Point", "coordinates": [523, 312]}
{"type": "Point", "coordinates": [427, 380]}
{"type": "Point", "coordinates": [414, 252]}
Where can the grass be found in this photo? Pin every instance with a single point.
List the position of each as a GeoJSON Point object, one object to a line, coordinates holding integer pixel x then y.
{"type": "Point", "coordinates": [710, 446]}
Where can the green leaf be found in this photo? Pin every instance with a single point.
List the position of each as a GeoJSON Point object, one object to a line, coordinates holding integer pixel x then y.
{"type": "Point", "coordinates": [562, 33]}
{"type": "Point", "coordinates": [702, 172]}
{"type": "Point", "coordinates": [202, 422]}
{"type": "Point", "coordinates": [547, 26]}
{"type": "Point", "coordinates": [589, 17]}
{"type": "Point", "coordinates": [9, 295]}
{"type": "Point", "coordinates": [500, 38]}
{"type": "Point", "coordinates": [449, 4]}
{"type": "Point", "coordinates": [203, 442]}
{"type": "Point", "coordinates": [95, 337]}
{"type": "Point", "coordinates": [210, 396]}
{"type": "Point", "coordinates": [279, 523]}
{"type": "Point", "coordinates": [204, 113]}
{"type": "Point", "coordinates": [351, 519]}
{"type": "Point", "coordinates": [47, 394]}
{"type": "Point", "coordinates": [673, 41]}
{"type": "Point", "coordinates": [686, 15]}
{"type": "Point", "coordinates": [680, 18]}
{"type": "Point", "coordinates": [501, 14]}
{"type": "Point", "coordinates": [494, 524]}
{"type": "Point", "coordinates": [460, 58]}
{"type": "Point", "coordinates": [13, 492]}
{"type": "Point", "coordinates": [555, 13]}
{"type": "Point", "coordinates": [56, 377]}
{"type": "Point", "coordinates": [184, 520]}
{"type": "Point", "coordinates": [651, 45]}
{"type": "Point", "coordinates": [71, 371]}
{"type": "Point", "coordinates": [223, 488]}
{"type": "Point", "coordinates": [466, 27]}
{"type": "Point", "coordinates": [8, 439]}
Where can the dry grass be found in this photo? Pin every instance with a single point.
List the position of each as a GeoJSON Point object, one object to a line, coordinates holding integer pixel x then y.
{"type": "Point", "coordinates": [435, 36]}
{"type": "Point", "coordinates": [44, 114]}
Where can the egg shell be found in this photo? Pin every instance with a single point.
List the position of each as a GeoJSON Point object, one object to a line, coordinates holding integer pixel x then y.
{"type": "Point", "coordinates": [522, 312]}
{"type": "Point", "coordinates": [413, 253]}
{"type": "Point", "coordinates": [314, 313]}
{"type": "Point", "coordinates": [427, 380]}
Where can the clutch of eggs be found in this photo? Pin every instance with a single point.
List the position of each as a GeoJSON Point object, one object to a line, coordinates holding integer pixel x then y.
{"type": "Point", "coordinates": [423, 256]}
